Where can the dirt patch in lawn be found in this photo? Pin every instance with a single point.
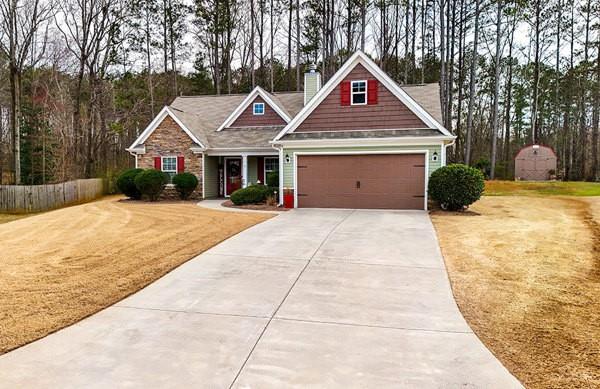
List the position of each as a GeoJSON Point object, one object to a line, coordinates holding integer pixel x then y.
{"type": "Point", "coordinates": [525, 273]}
{"type": "Point", "coordinates": [61, 266]}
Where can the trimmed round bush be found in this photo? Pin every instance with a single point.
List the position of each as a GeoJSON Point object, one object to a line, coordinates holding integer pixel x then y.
{"type": "Point", "coordinates": [151, 183]}
{"type": "Point", "coordinates": [455, 187]}
{"type": "Point", "coordinates": [126, 183]}
{"type": "Point", "coordinates": [253, 194]}
{"type": "Point", "coordinates": [185, 183]}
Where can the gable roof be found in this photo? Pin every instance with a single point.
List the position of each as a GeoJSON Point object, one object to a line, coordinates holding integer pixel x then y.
{"type": "Point", "coordinates": [359, 57]}
{"type": "Point", "coordinates": [201, 116]}
{"type": "Point", "coordinates": [267, 97]}
{"type": "Point", "coordinates": [166, 111]}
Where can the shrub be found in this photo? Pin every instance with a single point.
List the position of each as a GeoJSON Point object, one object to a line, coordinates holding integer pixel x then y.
{"type": "Point", "coordinates": [253, 194]}
{"type": "Point", "coordinates": [185, 183]}
{"type": "Point", "coordinates": [273, 179]}
{"type": "Point", "coordinates": [126, 183]}
{"type": "Point", "coordinates": [484, 165]}
{"type": "Point", "coordinates": [456, 186]}
{"type": "Point", "coordinates": [151, 183]}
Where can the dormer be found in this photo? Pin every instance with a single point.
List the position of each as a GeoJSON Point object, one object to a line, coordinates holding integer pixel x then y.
{"type": "Point", "coordinates": [258, 109]}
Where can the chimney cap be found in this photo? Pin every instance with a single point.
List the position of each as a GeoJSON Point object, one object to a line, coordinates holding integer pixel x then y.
{"type": "Point", "coordinates": [312, 68]}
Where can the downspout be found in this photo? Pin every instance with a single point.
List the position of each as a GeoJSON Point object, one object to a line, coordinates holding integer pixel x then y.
{"type": "Point", "coordinates": [446, 150]}
{"type": "Point", "coordinates": [279, 149]}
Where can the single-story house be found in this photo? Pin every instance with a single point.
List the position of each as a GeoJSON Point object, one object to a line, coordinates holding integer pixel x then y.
{"type": "Point", "coordinates": [359, 141]}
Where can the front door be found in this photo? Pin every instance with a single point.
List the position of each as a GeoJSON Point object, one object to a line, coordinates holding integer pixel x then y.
{"type": "Point", "coordinates": [233, 175]}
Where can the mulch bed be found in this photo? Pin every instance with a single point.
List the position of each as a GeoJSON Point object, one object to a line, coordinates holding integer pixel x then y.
{"type": "Point", "coordinates": [255, 207]}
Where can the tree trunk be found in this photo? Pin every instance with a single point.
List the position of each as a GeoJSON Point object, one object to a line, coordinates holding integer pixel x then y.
{"type": "Point", "coordinates": [496, 88]}
{"type": "Point", "coordinates": [271, 76]}
{"type": "Point", "coordinates": [15, 120]}
{"type": "Point", "coordinates": [536, 74]}
{"type": "Point", "coordinates": [173, 57]}
{"type": "Point", "coordinates": [363, 23]}
{"type": "Point", "coordinates": [508, 102]}
{"type": "Point", "coordinates": [289, 41]}
{"type": "Point", "coordinates": [149, 62]}
{"type": "Point", "coordinates": [298, 45]}
{"type": "Point", "coordinates": [252, 39]}
{"type": "Point", "coordinates": [596, 119]}
{"type": "Point", "coordinates": [473, 81]}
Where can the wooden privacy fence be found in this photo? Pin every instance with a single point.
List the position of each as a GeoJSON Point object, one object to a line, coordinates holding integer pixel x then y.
{"type": "Point", "coordinates": [37, 198]}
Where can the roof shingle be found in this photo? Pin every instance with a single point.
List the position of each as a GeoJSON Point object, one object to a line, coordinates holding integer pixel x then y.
{"type": "Point", "coordinates": [202, 115]}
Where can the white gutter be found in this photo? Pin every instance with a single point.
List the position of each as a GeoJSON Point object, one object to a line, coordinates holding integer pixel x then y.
{"type": "Point", "coordinates": [397, 141]}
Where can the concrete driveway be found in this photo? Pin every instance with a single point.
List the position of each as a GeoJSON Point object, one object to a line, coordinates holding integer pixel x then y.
{"type": "Point", "coordinates": [311, 298]}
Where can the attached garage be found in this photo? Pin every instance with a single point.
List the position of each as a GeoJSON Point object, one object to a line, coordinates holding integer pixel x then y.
{"type": "Point", "coordinates": [361, 181]}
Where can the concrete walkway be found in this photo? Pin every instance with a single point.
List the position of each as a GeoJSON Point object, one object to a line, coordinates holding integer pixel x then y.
{"type": "Point", "coordinates": [310, 298]}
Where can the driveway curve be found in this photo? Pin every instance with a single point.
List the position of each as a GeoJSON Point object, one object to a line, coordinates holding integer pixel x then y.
{"type": "Point", "coordinates": [310, 298]}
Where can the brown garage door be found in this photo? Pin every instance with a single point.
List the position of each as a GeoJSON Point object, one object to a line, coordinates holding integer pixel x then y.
{"type": "Point", "coordinates": [384, 181]}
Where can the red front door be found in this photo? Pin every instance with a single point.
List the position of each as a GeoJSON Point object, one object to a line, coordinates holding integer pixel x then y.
{"type": "Point", "coordinates": [233, 175]}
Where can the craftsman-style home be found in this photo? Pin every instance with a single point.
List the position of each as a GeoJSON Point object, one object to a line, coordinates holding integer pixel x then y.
{"type": "Point", "coordinates": [359, 141]}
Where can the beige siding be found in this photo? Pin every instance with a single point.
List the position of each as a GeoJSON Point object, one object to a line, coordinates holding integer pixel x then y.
{"type": "Point", "coordinates": [211, 176]}
{"type": "Point", "coordinates": [252, 170]}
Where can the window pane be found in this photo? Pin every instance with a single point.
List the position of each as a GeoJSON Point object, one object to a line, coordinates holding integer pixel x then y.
{"type": "Point", "coordinates": [358, 86]}
{"type": "Point", "coordinates": [259, 108]}
{"type": "Point", "coordinates": [169, 164]}
{"type": "Point", "coordinates": [359, 98]}
{"type": "Point", "coordinates": [271, 164]}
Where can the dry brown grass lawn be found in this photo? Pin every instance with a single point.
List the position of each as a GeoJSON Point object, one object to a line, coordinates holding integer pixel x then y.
{"type": "Point", "coordinates": [61, 266]}
{"type": "Point", "coordinates": [525, 272]}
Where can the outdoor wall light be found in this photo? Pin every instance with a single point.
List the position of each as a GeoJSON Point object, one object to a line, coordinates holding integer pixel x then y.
{"type": "Point", "coordinates": [434, 156]}
{"type": "Point", "coordinates": [287, 158]}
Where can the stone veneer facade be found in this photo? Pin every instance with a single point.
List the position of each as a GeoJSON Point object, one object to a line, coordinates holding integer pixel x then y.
{"type": "Point", "coordinates": [170, 140]}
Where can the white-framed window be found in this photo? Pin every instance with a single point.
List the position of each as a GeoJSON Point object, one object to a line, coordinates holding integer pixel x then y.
{"type": "Point", "coordinates": [169, 166]}
{"type": "Point", "coordinates": [271, 165]}
{"type": "Point", "coordinates": [258, 108]}
{"type": "Point", "coordinates": [358, 92]}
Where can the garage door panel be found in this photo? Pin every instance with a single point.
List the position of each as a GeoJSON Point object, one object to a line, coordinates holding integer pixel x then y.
{"type": "Point", "coordinates": [386, 181]}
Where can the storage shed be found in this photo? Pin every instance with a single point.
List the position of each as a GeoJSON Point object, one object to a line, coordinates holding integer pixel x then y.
{"type": "Point", "coordinates": [535, 163]}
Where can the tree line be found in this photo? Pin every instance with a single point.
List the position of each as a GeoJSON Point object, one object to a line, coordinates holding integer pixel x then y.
{"type": "Point", "coordinates": [80, 79]}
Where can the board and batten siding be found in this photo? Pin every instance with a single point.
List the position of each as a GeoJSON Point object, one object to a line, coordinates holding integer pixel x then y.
{"type": "Point", "coordinates": [288, 168]}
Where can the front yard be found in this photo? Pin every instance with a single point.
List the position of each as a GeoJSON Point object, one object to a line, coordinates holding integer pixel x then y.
{"type": "Point", "coordinates": [525, 271]}
{"type": "Point", "coordinates": [61, 266]}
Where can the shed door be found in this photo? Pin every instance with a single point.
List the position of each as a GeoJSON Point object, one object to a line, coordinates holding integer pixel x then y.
{"type": "Point", "coordinates": [374, 181]}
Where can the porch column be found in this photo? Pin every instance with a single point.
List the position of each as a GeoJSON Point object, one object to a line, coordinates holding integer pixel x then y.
{"type": "Point", "coordinates": [244, 170]}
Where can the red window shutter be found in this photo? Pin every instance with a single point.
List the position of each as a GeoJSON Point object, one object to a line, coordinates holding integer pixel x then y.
{"type": "Point", "coordinates": [157, 163]}
{"type": "Point", "coordinates": [372, 86]}
{"type": "Point", "coordinates": [180, 164]}
{"type": "Point", "coordinates": [345, 92]}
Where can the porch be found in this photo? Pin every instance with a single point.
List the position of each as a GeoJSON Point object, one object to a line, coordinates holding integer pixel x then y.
{"type": "Point", "coordinates": [227, 172]}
